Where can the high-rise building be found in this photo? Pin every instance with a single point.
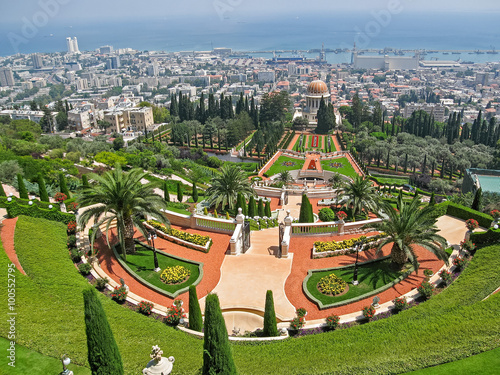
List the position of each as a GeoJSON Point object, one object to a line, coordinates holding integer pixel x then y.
{"type": "Point", "coordinates": [72, 44]}
{"type": "Point", "coordinates": [113, 62]}
{"type": "Point", "coordinates": [6, 77]}
{"type": "Point", "coordinates": [153, 69]}
{"type": "Point", "coordinates": [37, 61]}
{"type": "Point", "coordinates": [105, 50]}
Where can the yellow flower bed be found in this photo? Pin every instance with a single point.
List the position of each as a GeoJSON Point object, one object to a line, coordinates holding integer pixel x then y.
{"type": "Point", "coordinates": [321, 246]}
{"type": "Point", "coordinates": [193, 238]}
{"type": "Point", "coordinates": [331, 285]}
{"type": "Point", "coordinates": [174, 275]}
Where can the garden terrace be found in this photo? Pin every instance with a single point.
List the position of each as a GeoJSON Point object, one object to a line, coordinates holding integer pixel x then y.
{"type": "Point", "coordinates": [373, 348]}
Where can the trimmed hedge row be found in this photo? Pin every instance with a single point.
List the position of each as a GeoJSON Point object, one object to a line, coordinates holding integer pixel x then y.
{"type": "Point", "coordinates": [15, 209]}
{"type": "Point", "coordinates": [489, 237]}
{"type": "Point", "coordinates": [4, 203]}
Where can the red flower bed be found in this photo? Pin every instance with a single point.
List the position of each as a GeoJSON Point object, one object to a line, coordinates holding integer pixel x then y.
{"type": "Point", "coordinates": [315, 141]}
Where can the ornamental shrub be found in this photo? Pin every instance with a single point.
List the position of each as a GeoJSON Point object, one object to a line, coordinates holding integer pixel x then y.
{"type": "Point", "coordinates": [195, 193]}
{"type": "Point", "coordinates": [216, 214]}
{"type": "Point", "coordinates": [60, 197]}
{"type": "Point", "coordinates": [267, 209]}
{"type": "Point", "coordinates": [71, 241]}
{"type": "Point", "coordinates": [100, 283]}
{"type": "Point", "coordinates": [63, 186]}
{"type": "Point", "coordinates": [85, 181]}
{"type": "Point", "coordinates": [166, 194]}
{"type": "Point", "coordinates": [2, 191]}
{"type": "Point", "coordinates": [241, 203]}
{"type": "Point", "coordinates": [145, 307]}
{"type": "Point", "coordinates": [297, 323]}
{"type": "Point", "coordinates": [369, 312]}
{"type": "Point", "coordinates": [71, 227]}
{"type": "Point", "coordinates": [459, 262]}
{"type": "Point", "coordinates": [341, 215]}
{"type": "Point", "coordinates": [76, 255]}
{"type": "Point", "coordinates": [252, 207]}
{"type": "Point", "coordinates": [180, 195]}
{"type": "Point", "coordinates": [217, 356]}
{"type": "Point", "coordinates": [103, 354]}
{"type": "Point", "coordinates": [471, 224]}
{"type": "Point", "coordinates": [400, 304]}
{"type": "Point", "coordinates": [84, 268]}
{"type": "Point", "coordinates": [119, 294]}
{"type": "Point", "coordinates": [195, 318]}
{"type": "Point", "coordinates": [326, 214]}
{"type": "Point", "coordinates": [332, 322]}
{"type": "Point", "coordinates": [21, 187]}
{"type": "Point", "coordinates": [301, 312]}
{"type": "Point", "coordinates": [306, 212]}
{"type": "Point", "coordinates": [494, 213]}
{"type": "Point", "coordinates": [426, 289]}
{"type": "Point", "coordinates": [445, 276]}
{"type": "Point", "coordinates": [270, 326]}
{"type": "Point", "coordinates": [44, 196]}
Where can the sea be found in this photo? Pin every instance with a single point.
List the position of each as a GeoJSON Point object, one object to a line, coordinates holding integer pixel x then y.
{"type": "Point", "coordinates": [473, 33]}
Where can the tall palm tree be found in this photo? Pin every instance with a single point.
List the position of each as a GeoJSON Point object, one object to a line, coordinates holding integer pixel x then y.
{"type": "Point", "coordinates": [226, 186]}
{"type": "Point", "coordinates": [285, 177]}
{"type": "Point", "coordinates": [335, 180]}
{"type": "Point", "coordinates": [409, 226]}
{"type": "Point", "coordinates": [121, 196]}
{"type": "Point", "coordinates": [362, 194]}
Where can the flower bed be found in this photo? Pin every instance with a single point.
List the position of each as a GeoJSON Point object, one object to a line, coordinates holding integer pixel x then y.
{"type": "Point", "coordinates": [323, 249]}
{"type": "Point", "coordinates": [175, 275]}
{"type": "Point", "coordinates": [332, 285]}
{"type": "Point", "coordinates": [314, 142]}
{"type": "Point", "coordinates": [193, 241]}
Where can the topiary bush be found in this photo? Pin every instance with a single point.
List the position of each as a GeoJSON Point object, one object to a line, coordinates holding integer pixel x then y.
{"type": "Point", "coordinates": [195, 318]}
{"type": "Point", "coordinates": [326, 214]}
{"type": "Point", "coordinates": [270, 327]}
{"type": "Point", "coordinates": [84, 268]}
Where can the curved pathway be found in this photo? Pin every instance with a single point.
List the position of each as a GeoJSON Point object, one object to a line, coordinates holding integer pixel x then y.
{"type": "Point", "coordinates": [7, 236]}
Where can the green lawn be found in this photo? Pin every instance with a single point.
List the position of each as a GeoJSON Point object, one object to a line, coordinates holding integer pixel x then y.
{"type": "Point", "coordinates": [346, 169]}
{"type": "Point", "coordinates": [371, 276]}
{"type": "Point", "coordinates": [180, 210]}
{"type": "Point", "coordinates": [453, 325]}
{"type": "Point", "coordinates": [383, 180]}
{"type": "Point", "coordinates": [142, 263]}
{"type": "Point", "coordinates": [278, 166]}
{"type": "Point", "coordinates": [31, 362]}
{"type": "Point", "coordinates": [320, 142]}
{"type": "Point", "coordinates": [487, 363]}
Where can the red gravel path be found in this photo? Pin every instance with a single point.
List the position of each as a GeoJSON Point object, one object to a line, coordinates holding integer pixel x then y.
{"type": "Point", "coordinates": [7, 235]}
{"type": "Point", "coordinates": [212, 262]}
{"type": "Point", "coordinates": [301, 247]}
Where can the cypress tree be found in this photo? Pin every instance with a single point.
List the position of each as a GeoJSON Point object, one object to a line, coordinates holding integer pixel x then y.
{"type": "Point", "coordinates": [306, 214]}
{"type": "Point", "coordinates": [268, 209]}
{"type": "Point", "coordinates": [432, 201]}
{"type": "Point", "coordinates": [241, 203]}
{"type": "Point", "coordinates": [63, 187]}
{"type": "Point", "coordinates": [270, 327]}
{"type": "Point", "coordinates": [195, 319]}
{"type": "Point", "coordinates": [262, 213]}
{"type": "Point", "coordinates": [195, 193]}
{"type": "Point", "coordinates": [252, 208]}
{"type": "Point", "coordinates": [166, 195]}
{"type": "Point", "coordinates": [2, 191]}
{"type": "Point", "coordinates": [103, 354]}
{"type": "Point", "coordinates": [44, 197]}
{"type": "Point", "coordinates": [476, 204]}
{"type": "Point", "coordinates": [85, 181]}
{"type": "Point", "coordinates": [23, 193]}
{"type": "Point", "coordinates": [179, 192]}
{"type": "Point", "coordinates": [217, 356]}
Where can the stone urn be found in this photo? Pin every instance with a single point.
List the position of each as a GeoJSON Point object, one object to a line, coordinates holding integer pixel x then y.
{"type": "Point", "coordinates": [158, 364]}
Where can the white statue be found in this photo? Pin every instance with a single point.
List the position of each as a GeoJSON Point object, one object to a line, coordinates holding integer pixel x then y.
{"type": "Point", "coordinates": [158, 365]}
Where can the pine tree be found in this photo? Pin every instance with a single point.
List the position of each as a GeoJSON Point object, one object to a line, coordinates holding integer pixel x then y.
{"type": "Point", "coordinates": [476, 204]}
{"type": "Point", "coordinates": [252, 208]}
{"type": "Point", "coordinates": [195, 318]}
{"type": "Point", "coordinates": [195, 193]}
{"type": "Point", "coordinates": [44, 197]}
{"type": "Point", "coordinates": [103, 354]}
{"type": "Point", "coordinates": [270, 327]}
{"type": "Point", "coordinates": [2, 191]}
{"type": "Point", "coordinates": [166, 194]}
{"type": "Point", "coordinates": [179, 192]}
{"type": "Point", "coordinates": [85, 181]}
{"type": "Point", "coordinates": [262, 213]}
{"type": "Point", "coordinates": [63, 187]}
{"type": "Point", "coordinates": [268, 209]}
{"type": "Point", "coordinates": [217, 356]}
{"type": "Point", "coordinates": [306, 214]}
{"type": "Point", "coordinates": [23, 193]}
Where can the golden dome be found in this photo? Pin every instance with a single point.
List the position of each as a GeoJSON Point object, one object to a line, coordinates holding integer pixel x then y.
{"type": "Point", "coordinates": [317, 88]}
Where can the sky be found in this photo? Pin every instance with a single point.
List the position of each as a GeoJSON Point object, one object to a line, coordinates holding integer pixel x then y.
{"type": "Point", "coordinates": [78, 11]}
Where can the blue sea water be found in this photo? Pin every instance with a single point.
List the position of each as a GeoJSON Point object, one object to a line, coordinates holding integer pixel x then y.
{"type": "Point", "coordinates": [450, 31]}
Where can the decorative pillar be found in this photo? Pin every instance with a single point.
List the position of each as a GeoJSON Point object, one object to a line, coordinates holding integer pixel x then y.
{"type": "Point", "coordinates": [285, 244]}
{"type": "Point", "coordinates": [235, 242]}
{"type": "Point", "coordinates": [341, 227]}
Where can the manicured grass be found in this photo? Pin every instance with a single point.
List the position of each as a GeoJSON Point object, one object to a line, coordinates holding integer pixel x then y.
{"type": "Point", "coordinates": [142, 263]}
{"type": "Point", "coordinates": [28, 361]}
{"type": "Point", "coordinates": [371, 276]}
{"type": "Point", "coordinates": [278, 166]}
{"type": "Point", "coordinates": [180, 210]}
{"type": "Point", "coordinates": [391, 180]}
{"type": "Point", "coordinates": [453, 325]}
{"type": "Point", "coordinates": [487, 363]}
{"type": "Point", "coordinates": [346, 169]}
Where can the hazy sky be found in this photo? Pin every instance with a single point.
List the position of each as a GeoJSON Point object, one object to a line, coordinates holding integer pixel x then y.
{"type": "Point", "coordinates": [77, 11]}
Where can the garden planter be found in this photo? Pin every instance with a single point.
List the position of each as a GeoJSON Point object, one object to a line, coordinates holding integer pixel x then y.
{"type": "Point", "coordinates": [467, 235]}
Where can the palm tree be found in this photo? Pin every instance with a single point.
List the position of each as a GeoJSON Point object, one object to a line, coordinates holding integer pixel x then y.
{"type": "Point", "coordinates": [285, 177]}
{"type": "Point", "coordinates": [336, 180]}
{"type": "Point", "coordinates": [226, 186]}
{"type": "Point", "coordinates": [121, 196]}
{"type": "Point", "coordinates": [362, 194]}
{"type": "Point", "coordinates": [409, 226]}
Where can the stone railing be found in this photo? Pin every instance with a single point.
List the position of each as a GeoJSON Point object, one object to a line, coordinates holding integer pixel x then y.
{"type": "Point", "coordinates": [356, 227]}
{"type": "Point", "coordinates": [327, 228]}
{"type": "Point", "coordinates": [214, 225]}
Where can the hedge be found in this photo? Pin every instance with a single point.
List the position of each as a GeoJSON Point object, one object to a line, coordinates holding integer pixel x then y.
{"type": "Point", "coordinates": [15, 209]}
{"type": "Point", "coordinates": [4, 203]}
{"type": "Point", "coordinates": [490, 236]}
{"type": "Point", "coordinates": [464, 213]}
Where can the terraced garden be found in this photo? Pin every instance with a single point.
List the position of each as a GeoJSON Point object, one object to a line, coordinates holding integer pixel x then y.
{"type": "Point", "coordinates": [339, 165]}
